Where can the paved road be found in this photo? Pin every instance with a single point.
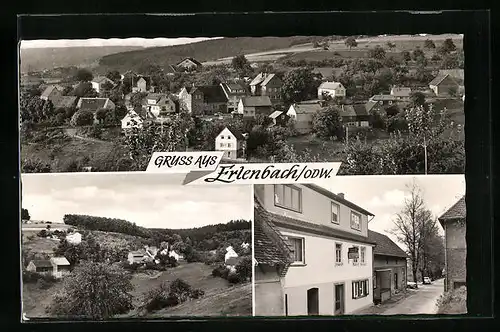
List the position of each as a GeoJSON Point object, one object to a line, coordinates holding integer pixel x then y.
{"type": "Point", "coordinates": [422, 302]}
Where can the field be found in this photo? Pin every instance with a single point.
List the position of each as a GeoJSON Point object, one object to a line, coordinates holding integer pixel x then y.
{"type": "Point", "coordinates": [220, 298]}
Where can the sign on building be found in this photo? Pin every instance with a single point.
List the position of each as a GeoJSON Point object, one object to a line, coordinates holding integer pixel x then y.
{"type": "Point", "coordinates": [353, 253]}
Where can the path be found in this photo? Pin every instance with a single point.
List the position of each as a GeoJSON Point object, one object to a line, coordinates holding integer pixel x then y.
{"type": "Point", "coordinates": [422, 302]}
{"type": "Point", "coordinates": [72, 133]}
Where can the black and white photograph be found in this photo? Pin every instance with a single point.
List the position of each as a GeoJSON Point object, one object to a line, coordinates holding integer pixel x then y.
{"type": "Point", "coordinates": [386, 104]}
{"type": "Point", "coordinates": [112, 245]}
{"type": "Point", "coordinates": [363, 245]}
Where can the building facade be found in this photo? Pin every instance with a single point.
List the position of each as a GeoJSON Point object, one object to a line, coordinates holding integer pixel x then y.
{"type": "Point", "coordinates": [249, 107]}
{"type": "Point", "coordinates": [267, 84]}
{"type": "Point", "coordinates": [331, 89]}
{"type": "Point", "coordinates": [231, 142]}
{"type": "Point", "coordinates": [331, 256]}
{"type": "Point", "coordinates": [203, 100]}
{"type": "Point", "coordinates": [444, 85]}
{"type": "Point", "coordinates": [303, 114]}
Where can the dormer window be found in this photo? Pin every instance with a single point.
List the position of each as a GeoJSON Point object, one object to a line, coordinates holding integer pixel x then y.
{"type": "Point", "coordinates": [288, 197]}
{"type": "Point", "coordinates": [355, 221]}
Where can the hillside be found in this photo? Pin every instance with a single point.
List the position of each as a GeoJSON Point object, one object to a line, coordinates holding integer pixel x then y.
{"type": "Point", "coordinates": [202, 51]}
{"type": "Point", "coordinates": [38, 59]}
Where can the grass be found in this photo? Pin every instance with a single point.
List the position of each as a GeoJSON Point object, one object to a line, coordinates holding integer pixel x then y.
{"type": "Point", "coordinates": [35, 299]}
{"type": "Point", "coordinates": [453, 302]}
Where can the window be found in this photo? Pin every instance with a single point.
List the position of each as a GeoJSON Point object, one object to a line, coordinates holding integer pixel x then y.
{"type": "Point", "coordinates": [355, 260]}
{"type": "Point", "coordinates": [229, 137]}
{"type": "Point", "coordinates": [338, 253]}
{"type": "Point", "coordinates": [335, 213]}
{"type": "Point", "coordinates": [359, 289]}
{"type": "Point", "coordinates": [297, 245]}
{"type": "Point", "coordinates": [222, 145]}
{"type": "Point", "coordinates": [355, 221]}
{"type": "Point", "coordinates": [362, 254]}
{"type": "Point", "coordinates": [288, 197]}
{"type": "Point", "coordinates": [222, 137]}
{"type": "Point", "coordinates": [228, 145]}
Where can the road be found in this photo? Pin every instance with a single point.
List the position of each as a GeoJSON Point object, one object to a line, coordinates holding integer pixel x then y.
{"type": "Point", "coordinates": [422, 302]}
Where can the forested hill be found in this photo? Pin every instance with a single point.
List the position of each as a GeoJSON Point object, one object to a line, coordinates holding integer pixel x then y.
{"type": "Point", "coordinates": [201, 51]}
{"type": "Point", "coordinates": [200, 233]}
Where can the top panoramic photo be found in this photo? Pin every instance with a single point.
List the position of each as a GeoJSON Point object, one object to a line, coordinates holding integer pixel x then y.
{"type": "Point", "coordinates": [387, 104]}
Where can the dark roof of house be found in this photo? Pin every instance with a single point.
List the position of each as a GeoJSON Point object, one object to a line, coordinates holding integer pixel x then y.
{"type": "Point", "coordinates": [192, 59]}
{"type": "Point", "coordinates": [457, 211]}
{"type": "Point", "coordinates": [64, 101]}
{"type": "Point", "coordinates": [256, 101]}
{"type": "Point", "coordinates": [170, 69]}
{"type": "Point", "coordinates": [385, 246]}
{"type": "Point", "coordinates": [42, 263]}
{"type": "Point", "coordinates": [233, 260]}
{"type": "Point", "coordinates": [456, 74]}
{"type": "Point", "coordinates": [440, 78]}
{"type": "Point", "coordinates": [270, 248]}
{"type": "Point", "coordinates": [337, 198]}
{"type": "Point", "coordinates": [236, 132]}
{"type": "Point", "coordinates": [353, 110]}
{"type": "Point", "coordinates": [307, 107]}
{"type": "Point", "coordinates": [401, 91]}
{"type": "Point", "coordinates": [92, 103]}
{"type": "Point", "coordinates": [231, 88]}
{"type": "Point", "coordinates": [48, 90]}
{"type": "Point", "coordinates": [211, 93]}
{"type": "Point", "coordinates": [101, 79]}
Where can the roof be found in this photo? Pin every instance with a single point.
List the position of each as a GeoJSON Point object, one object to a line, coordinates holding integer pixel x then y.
{"type": "Point", "coordinates": [235, 132]}
{"type": "Point", "coordinates": [275, 114]}
{"type": "Point", "coordinates": [270, 247]}
{"type": "Point", "coordinates": [232, 87]}
{"type": "Point", "coordinates": [64, 101]}
{"type": "Point", "coordinates": [48, 90]}
{"type": "Point", "coordinates": [385, 246]}
{"type": "Point", "coordinates": [457, 74]}
{"type": "Point", "coordinates": [101, 79]}
{"type": "Point", "coordinates": [383, 97]}
{"type": "Point", "coordinates": [330, 85]}
{"type": "Point", "coordinates": [258, 79]}
{"type": "Point", "coordinates": [369, 105]}
{"type": "Point", "coordinates": [191, 59]}
{"type": "Point", "coordinates": [401, 91]}
{"type": "Point", "coordinates": [256, 101]}
{"type": "Point", "coordinates": [304, 108]}
{"type": "Point", "coordinates": [60, 261]}
{"type": "Point", "coordinates": [353, 110]}
{"type": "Point", "coordinates": [170, 69]}
{"type": "Point", "coordinates": [138, 253]}
{"type": "Point", "coordinates": [440, 78]}
{"type": "Point", "coordinates": [457, 211]}
{"type": "Point", "coordinates": [92, 103]}
{"type": "Point", "coordinates": [211, 93]}
{"type": "Point", "coordinates": [42, 263]}
{"type": "Point", "coordinates": [338, 198]}
{"type": "Point", "coordinates": [267, 79]}
{"type": "Point", "coordinates": [233, 260]}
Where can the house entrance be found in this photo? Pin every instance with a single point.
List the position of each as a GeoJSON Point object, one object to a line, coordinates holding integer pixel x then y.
{"type": "Point", "coordinates": [313, 301]}
{"type": "Point", "coordinates": [339, 299]}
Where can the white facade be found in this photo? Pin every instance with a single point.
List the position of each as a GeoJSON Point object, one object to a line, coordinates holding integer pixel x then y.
{"type": "Point", "coordinates": [75, 238]}
{"type": "Point", "coordinates": [227, 142]}
{"type": "Point", "coordinates": [132, 120]}
{"type": "Point", "coordinates": [230, 253]}
{"type": "Point", "coordinates": [332, 89]}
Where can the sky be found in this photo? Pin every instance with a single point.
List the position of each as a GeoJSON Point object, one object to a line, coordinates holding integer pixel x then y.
{"type": "Point", "coordinates": [152, 42]}
{"type": "Point", "coordinates": [384, 195]}
{"type": "Point", "coordinates": [149, 200]}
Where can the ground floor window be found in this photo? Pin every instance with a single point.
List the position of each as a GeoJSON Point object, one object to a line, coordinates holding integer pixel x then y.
{"type": "Point", "coordinates": [359, 289]}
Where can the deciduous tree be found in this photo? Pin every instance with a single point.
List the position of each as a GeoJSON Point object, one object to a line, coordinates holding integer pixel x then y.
{"type": "Point", "coordinates": [82, 118]}
{"type": "Point", "coordinates": [299, 84]}
{"type": "Point", "coordinates": [84, 75]}
{"type": "Point", "coordinates": [327, 123]}
{"type": "Point", "coordinates": [350, 42]}
{"type": "Point", "coordinates": [25, 215]}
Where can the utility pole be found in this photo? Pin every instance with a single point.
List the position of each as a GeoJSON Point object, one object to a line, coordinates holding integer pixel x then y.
{"type": "Point", "coordinates": [425, 155]}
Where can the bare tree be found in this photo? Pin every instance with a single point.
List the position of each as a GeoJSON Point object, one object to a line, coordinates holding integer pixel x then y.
{"type": "Point", "coordinates": [413, 225]}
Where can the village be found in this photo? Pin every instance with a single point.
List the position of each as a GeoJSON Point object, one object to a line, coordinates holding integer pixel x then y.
{"type": "Point", "coordinates": [305, 256]}
{"type": "Point", "coordinates": [277, 111]}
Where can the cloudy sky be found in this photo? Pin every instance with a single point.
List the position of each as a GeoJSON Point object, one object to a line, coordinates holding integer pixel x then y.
{"type": "Point", "coordinates": [149, 200]}
{"type": "Point", "coordinates": [384, 195]}
{"type": "Point", "coordinates": [152, 42]}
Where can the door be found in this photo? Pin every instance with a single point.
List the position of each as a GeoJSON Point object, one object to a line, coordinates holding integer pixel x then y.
{"type": "Point", "coordinates": [313, 301]}
{"type": "Point", "coordinates": [339, 299]}
{"type": "Point", "coordinates": [396, 281]}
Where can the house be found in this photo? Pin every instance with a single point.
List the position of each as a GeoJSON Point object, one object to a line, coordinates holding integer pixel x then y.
{"type": "Point", "coordinates": [151, 252]}
{"type": "Point", "coordinates": [355, 115]}
{"type": "Point", "coordinates": [51, 92]}
{"type": "Point", "coordinates": [234, 92]}
{"type": "Point", "coordinates": [232, 142]}
{"type": "Point", "coordinates": [331, 270]}
{"type": "Point", "coordinates": [456, 74]}
{"type": "Point", "coordinates": [389, 267]}
{"type": "Point", "coordinates": [189, 64]}
{"type": "Point", "coordinates": [245, 245]}
{"type": "Point", "coordinates": [204, 99]}
{"type": "Point", "coordinates": [157, 103]}
{"type": "Point", "coordinates": [401, 93]}
{"type": "Point", "coordinates": [60, 266]}
{"type": "Point", "coordinates": [385, 100]}
{"type": "Point", "coordinates": [40, 266]}
{"type": "Point", "coordinates": [232, 262]}
{"type": "Point", "coordinates": [99, 83]}
{"type": "Point", "coordinates": [273, 257]}
{"type": "Point", "coordinates": [249, 107]}
{"type": "Point", "coordinates": [279, 118]}
{"type": "Point", "coordinates": [170, 70]}
{"type": "Point", "coordinates": [444, 85]}
{"type": "Point", "coordinates": [175, 255]}
{"type": "Point", "coordinates": [64, 101]}
{"type": "Point", "coordinates": [74, 238]}
{"type": "Point", "coordinates": [137, 257]}
{"type": "Point", "coordinates": [453, 222]}
{"type": "Point", "coordinates": [303, 113]}
{"type": "Point", "coordinates": [132, 120]}
{"type": "Point", "coordinates": [266, 84]}
{"type": "Point", "coordinates": [331, 89]}
{"type": "Point", "coordinates": [141, 84]}
{"type": "Point", "coordinates": [94, 104]}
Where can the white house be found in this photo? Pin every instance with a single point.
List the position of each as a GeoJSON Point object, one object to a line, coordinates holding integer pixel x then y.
{"type": "Point", "coordinates": [74, 238]}
{"type": "Point", "coordinates": [175, 255]}
{"type": "Point", "coordinates": [99, 82]}
{"type": "Point", "coordinates": [132, 120]}
{"type": "Point", "coordinates": [332, 89]}
{"type": "Point", "coordinates": [232, 142]}
{"type": "Point", "coordinates": [330, 270]}
{"type": "Point", "coordinates": [245, 245]}
{"type": "Point", "coordinates": [230, 253]}
{"type": "Point", "coordinates": [303, 114]}
{"type": "Point", "coordinates": [61, 266]}
{"type": "Point", "coordinates": [156, 102]}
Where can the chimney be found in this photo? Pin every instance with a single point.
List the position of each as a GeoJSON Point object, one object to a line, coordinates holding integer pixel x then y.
{"type": "Point", "coordinates": [341, 195]}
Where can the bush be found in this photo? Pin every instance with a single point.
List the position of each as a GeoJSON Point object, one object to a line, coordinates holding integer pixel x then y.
{"type": "Point", "coordinates": [244, 269]}
{"type": "Point", "coordinates": [453, 302]}
{"type": "Point", "coordinates": [36, 165]}
{"type": "Point", "coordinates": [43, 284]}
{"type": "Point", "coordinates": [32, 277]}
{"type": "Point", "coordinates": [170, 295]}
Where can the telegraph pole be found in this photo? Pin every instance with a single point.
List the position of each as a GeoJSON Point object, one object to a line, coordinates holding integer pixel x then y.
{"type": "Point", "coordinates": [425, 155]}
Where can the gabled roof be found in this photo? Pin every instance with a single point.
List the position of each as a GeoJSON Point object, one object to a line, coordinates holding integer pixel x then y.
{"type": "Point", "coordinates": [275, 114]}
{"type": "Point", "coordinates": [307, 108]}
{"type": "Point", "coordinates": [338, 198]}
{"type": "Point", "coordinates": [353, 110]}
{"type": "Point", "coordinates": [236, 133]}
{"type": "Point", "coordinates": [330, 85]}
{"type": "Point", "coordinates": [256, 101]}
{"type": "Point", "coordinates": [456, 74]}
{"type": "Point", "coordinates": [258, 79]}
{"type": "Point", "coordinates": [42, 263]}
{"type": "Point", "coordinates": [385, 246]}
{"type": "Point", "coordinates": [60, 261]}
{"type": "Point", "coordinates": [48, 90]}
{"type": "Point", "coordinates": [231, 88]}
{"type": "Point", "coordinates": [383, 97]}
{"type": "Point", "coordinates": [102, 79]}
{"type": "Point", "coordinates": [457, 211]}
{"type": "Point", "coordinates": [170, 69]}
{"type": "Point", "coordinates": [440, 78]}
{"type": "Point", "coordinates": [267, 79]}
{"type": "Point", "coordinates": [401, 91]}
{"type": "Point", "coordinates": [270, 247]}
{"type": "Point", "coordinates": [64, 101]}
{"type": "Point", "coordinates": [369, 105]}
{"type": "Point", "coordinates": [92, 103]}
{"type": "Point", "coordinates": [191, 59]}
{"type": "Point", "coordinates": [211, 93]}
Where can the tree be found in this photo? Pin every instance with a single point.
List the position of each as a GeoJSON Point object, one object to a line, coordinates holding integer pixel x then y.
{"type": "Point", "coordinates": [413, 225]}
{"type": "Point", "coordinates": [429, 44]}
{"type": "Point", "coordinates": [327, 123]}
{"type": "Point", "coordinates": [350, 42]}
{"type": "Point", "coordinates": [101, 114]}
{"type": "Point", "coordinates": [84, 89]}
{"type": "Point", "coordinates": [391, 45]}
{"type": "Point", "coordinates": [377, 53]}
{"type": "Point", "coordinates": [298, 85]}
{"type": "Point", "coordinates": [448, 46]}
{"type": "Point", "coordinates": [417, 54]}
{"type": "Point", "coordinates": [95, 291]}
{"type": "Point", "coordinates": [241, 64]}
{"type": "Point", "coordinates": [432, 251]}
{"type": "Point", "coordinates": [84, 75]}
{"type": "Point", "coordinates": [114, 75]}
{"type": "Point", "coordinates": [406, 55]}
{"type": "Point", "coordinates": [25, 215]}
{"type": "Point", "coordinates": [417, 98]}
{"type": "Point", "coordinates": [82, 118]}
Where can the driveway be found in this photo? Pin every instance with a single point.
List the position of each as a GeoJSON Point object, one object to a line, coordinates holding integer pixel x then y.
{"type": "Point", "coordinates": [422, 302]}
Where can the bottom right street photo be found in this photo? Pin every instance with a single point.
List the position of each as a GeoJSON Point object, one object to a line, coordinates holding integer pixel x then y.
{"type": "Point", "coordinates": [361, 245]}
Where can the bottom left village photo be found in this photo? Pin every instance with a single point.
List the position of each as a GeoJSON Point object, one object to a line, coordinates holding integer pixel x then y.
{"type": "Point", "coordinates": [103, 246]}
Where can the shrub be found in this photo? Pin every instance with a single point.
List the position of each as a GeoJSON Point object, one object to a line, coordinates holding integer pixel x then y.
{"type": "Point", "coordinates": [170, 295]}
{"type": "Point", "coordinates": [234, 278]}
{"type": "Point", "coordinates": [244, 269]}
{"type": "Point", "coordinates": [453, 302]}
{"type": "Point", "coordinates": [220, 271]}
{"type": "Point", "coordinates": [35, 166]}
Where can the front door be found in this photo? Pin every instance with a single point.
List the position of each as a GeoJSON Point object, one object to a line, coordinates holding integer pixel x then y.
{"type": "Point", "coordinates": [313, 301]}
{"type": "Point", "coordinates": [339, 299]}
